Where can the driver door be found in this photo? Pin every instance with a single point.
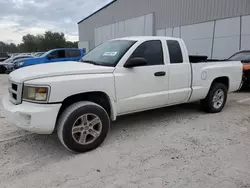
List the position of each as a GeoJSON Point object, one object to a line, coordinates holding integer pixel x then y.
{"type": "Point", "coordinates": [144, 87]}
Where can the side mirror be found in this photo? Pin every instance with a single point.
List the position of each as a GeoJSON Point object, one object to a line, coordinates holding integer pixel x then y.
{"type": "Point", "coordinates": [135, 62]}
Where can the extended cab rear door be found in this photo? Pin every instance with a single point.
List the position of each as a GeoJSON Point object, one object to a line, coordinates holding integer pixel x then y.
{"type": "Point", "coordinates": [56, 56]}
{"type": "Point", "coordinates": [143, 87]}
{"type": "Point", "coordinates": [73, 54]}
{"type": "Point", "coordinates": [180, 73]}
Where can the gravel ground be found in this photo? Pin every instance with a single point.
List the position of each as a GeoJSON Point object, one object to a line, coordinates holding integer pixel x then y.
{"type": "Point", "coordinates": [171, 147]}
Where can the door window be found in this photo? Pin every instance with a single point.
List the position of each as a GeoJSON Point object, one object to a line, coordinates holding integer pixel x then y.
{"type": "Point", "coordinates": [57, 54]}
{"type": "Point", "coordinates": [151, 51]}
{"type": "Point", "coordinates": [175, 52]}
{"type": "Point", "coordinates": [73, 53]}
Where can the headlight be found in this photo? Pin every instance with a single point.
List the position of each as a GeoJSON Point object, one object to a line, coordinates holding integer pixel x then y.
{"type": "Point", "coordinates": [20, 64]}
{"type": "Point", "coordinates": [36, 93]}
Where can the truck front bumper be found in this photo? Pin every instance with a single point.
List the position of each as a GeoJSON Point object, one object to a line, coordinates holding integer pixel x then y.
{"type": "Point", "coordinates": [36, 118]}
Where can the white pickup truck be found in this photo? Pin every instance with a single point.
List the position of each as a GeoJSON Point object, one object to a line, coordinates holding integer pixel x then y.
{"type": "Point", "coordinates": [121, 76]}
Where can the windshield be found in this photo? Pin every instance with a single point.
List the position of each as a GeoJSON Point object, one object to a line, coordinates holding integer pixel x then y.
{"type": "Point", "coordinates": [38, 54]}
{"type": "Point", "coordinates": [240, 56]}
{"type": "Point", "coordinates": [46, 53]}
{"type": "Point", "coordinates": [109, 53]}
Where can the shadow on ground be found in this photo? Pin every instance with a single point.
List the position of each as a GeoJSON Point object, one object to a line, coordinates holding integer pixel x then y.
{"type": "Point", "coordinates": [152, 118]}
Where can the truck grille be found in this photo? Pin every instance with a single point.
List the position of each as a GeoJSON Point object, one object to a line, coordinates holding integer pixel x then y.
{"type": "Point", "coordinates": [15, 91]}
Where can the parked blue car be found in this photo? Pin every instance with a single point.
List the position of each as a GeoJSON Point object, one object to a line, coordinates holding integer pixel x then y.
{"type": "Point", "coordinates": [55, 55]}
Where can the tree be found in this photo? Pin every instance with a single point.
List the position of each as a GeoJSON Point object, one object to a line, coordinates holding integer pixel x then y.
{"type": "Point", "coordinates": [70, 44]}
{"type": "Point", "coordinates": [30, 42]}
{"type": "Point", "coordinates": [12, 48]}
{"type": "Point", "coordinates": [35, 43]}
{"type": "Point", "coordinates": [54, 40]}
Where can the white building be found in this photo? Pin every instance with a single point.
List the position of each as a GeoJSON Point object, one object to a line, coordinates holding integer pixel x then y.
{"type": "Point", "coordinates": [216, 28]}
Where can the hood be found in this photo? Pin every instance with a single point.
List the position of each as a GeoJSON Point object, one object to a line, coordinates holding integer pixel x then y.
{"type": "Point", "coordinates": [24, 59]}
{"type": "Point", "coordinates": [57, 69]}
{"type": "Point", "coordinates": [7, 65]}
{"type": "Point", "coordinates": [7, 62]}
{"type": "Point", "coordinates": [3, 63]}
{"type": "Point", "coordinates": [30, 60]}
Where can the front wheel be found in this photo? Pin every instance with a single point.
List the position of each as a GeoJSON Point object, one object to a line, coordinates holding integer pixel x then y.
{"type": "Point", "coordinates": [83, 126]}
{"type": "Point", "coordinates": [216, 98]}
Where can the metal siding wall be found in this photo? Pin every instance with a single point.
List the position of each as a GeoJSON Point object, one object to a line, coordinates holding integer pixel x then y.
{"type": "Point", "coordinates": [139, 26]}
{"type": "Point", "coordinates": [149, 25]}
{"type": "Point", "coordinates": [198, 38]}
{"type": "Point", "coordinates": [245, 32]}
{"type": "Point", "coordinates": [161, 32]}
{"type": "Point", "coordinates": [177, 32]}
{"type": "Point", "coordinates": [168, 13]}
{"type": "Point", "coordinates": [169, 32]}
{"type": "Point", "coordinates": [226, 37]}
{"type": "Point", "coordinates": [84, 44]}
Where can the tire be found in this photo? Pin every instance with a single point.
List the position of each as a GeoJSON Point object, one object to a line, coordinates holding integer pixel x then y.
{"type": "Point", "coordinates": [243, 86]}
{"type": "Point", "coordinates": [74, 127]}
{"type": "Point", "coordinates": [2, 69]}
{"type": "Point", "coordinates": [208, 105]}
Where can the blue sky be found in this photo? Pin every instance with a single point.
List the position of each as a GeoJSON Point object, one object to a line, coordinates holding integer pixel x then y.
{"type": "Point", "coordinates": [20, 17]}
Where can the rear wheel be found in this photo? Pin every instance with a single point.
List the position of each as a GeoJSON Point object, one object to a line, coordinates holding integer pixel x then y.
{"type": "Point", "coordinates": [83, 126]}
{"type": "Point", "coordinates": [216, 98]}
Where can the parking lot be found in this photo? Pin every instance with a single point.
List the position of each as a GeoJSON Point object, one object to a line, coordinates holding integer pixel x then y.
{"type": "Point", "coordinates": [171, 147]}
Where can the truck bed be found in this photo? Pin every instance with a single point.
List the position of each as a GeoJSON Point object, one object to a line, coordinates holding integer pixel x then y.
{"type": "Point", "coordinates": [205, 72]}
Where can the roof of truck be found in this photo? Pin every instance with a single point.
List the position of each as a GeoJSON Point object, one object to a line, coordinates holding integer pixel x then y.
{"type": "Point", "coordinates": [65, 49]}
{"type": "Point", "coordinates": [147, 38]}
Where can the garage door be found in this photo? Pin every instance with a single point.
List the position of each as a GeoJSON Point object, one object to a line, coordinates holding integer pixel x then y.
{"type": "Point", "coordinates": [139, 26]}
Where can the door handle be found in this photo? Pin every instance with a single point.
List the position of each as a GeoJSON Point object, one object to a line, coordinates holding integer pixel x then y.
{"type": "Point", "coordinates": [162, 73]}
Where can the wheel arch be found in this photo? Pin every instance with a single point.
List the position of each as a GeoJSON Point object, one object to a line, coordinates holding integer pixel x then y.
{"type": "Point", "coordinates": [223, 80]}
{"type": "Point", "coordinates": [98, 97]}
